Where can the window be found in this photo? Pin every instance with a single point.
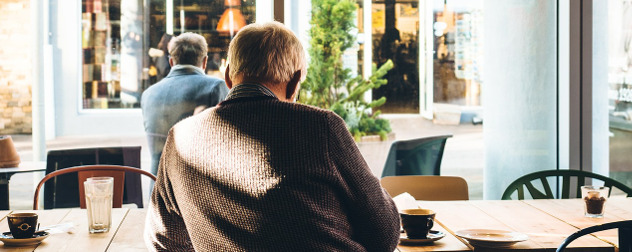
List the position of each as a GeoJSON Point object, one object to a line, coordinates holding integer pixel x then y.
{"type": "Point", "coordinates": [619, 87]}
{"type": "Point", "coordinates": [124, 45]}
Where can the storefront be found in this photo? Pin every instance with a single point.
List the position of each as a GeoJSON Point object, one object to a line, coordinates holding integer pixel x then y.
{"type": "Point", "coordinates": [106, 55]}
{"type": "Point", "coordinates": [540, 102]}
{"type": "Point", "coordinates": [436, 47]}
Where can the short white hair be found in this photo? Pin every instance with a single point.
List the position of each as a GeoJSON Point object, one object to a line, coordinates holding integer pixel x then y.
{"type": "Point", "coordinates": [188, 48]}
{"type": "Point", "coordinates": [267, 52]}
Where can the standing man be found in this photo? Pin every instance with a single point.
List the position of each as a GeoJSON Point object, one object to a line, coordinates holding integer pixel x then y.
{"type": "Point", "coordinates": [259, 172]}
{"type": "Point", "coordinates": [185, 90]}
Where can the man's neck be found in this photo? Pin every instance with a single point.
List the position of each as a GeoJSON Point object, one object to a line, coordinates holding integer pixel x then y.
{"type": "Point", "coordinates": [187, 66]}
{"type": "Point", "coordinates": [276, 88]}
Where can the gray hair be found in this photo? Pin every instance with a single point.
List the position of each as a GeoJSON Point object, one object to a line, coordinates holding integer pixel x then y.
{"type": "Point", "coordinates": [267, 52]}
{"type": "Point", "coordinates": [188, 48]}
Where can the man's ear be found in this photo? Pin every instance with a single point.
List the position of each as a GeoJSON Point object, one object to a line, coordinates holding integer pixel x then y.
{"type": "Point", "coordinates": [229, 82]}
{"type": "Point", "coordinates": [204, 61]}
{"type": "Point", "coordinates": [292, 86]}
{"type": "Point", "coordinates": [171, 62]}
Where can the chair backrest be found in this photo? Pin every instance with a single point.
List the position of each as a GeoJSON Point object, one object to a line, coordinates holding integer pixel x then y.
{"type": "Point", "coordinates": [625, 234]}
{"type": "Point", "coordinates": [546, 191]}
{"type": "Point", "coordinates": [63, 192]}
{"type": "Point", "coordinates": [420, 156]}
{"type": "Point", "coordinates": [87, 171]}
{"type": "Point", "coordinates": [427, 187]}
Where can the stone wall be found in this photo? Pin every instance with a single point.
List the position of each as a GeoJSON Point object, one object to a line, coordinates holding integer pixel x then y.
{"type": "Point", "coordinates": [16, 40]}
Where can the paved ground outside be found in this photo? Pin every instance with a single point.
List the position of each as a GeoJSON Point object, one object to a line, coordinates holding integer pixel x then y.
{"type": "Point", "coordinates": [463, 154]}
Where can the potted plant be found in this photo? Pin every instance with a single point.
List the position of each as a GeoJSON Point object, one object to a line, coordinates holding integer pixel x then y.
{"type": "Point", "coordinates": [331, 86]}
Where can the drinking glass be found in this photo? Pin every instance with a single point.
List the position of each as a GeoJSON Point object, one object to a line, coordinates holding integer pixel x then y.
{"type": "Point", "coordinates": [98, 192]}
{"type": "Point", "coordinates": [595, 199]}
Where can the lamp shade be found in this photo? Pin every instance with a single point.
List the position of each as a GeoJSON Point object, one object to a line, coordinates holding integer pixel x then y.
{"type": "Point", "coordinates": [230, 3]}
{"type": "Point", "coordinates": [231, 21]}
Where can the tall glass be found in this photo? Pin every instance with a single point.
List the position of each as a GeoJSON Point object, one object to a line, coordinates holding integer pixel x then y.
{"type": "Point", "coordinates": [98, 192]}
{"type": "Point", "coordinates": [595, 198]}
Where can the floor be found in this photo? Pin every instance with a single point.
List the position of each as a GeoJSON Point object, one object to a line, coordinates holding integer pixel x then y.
{"type": "Point", "coordinates": [463, 154]}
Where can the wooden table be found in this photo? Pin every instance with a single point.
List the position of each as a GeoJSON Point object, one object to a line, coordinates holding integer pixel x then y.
{"type": "Point", "coordinates": [126, 233]}
{"type": "Point", "coordinates": [547, 222]}
{"type": "Point", "coordinates": [5, 176]}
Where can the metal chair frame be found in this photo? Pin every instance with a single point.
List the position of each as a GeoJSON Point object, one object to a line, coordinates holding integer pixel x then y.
{"type": "Point", "coordinates": [526, 181]}
{"type": "Point", "coordinates": [625, 234]}
{"type": "Point", "coordinates": [85, 171]}
{"type": "Point", "coordinates": [62, 192]}
{"type": "Point", "coordinates": [394, 165]}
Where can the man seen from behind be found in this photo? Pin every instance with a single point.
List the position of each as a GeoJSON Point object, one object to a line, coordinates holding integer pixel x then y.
{"type": "Point", "coordinates": [184, 91]}
{"type": "Point", "coordinates": [259, 172]}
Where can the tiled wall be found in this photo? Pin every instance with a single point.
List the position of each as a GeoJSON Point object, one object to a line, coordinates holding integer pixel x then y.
{"type": "Point", "coordinates": [16, 40]}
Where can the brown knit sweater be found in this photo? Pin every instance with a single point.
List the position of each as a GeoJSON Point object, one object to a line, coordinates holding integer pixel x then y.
{"type": "Point", "coordinates": [259, 174]}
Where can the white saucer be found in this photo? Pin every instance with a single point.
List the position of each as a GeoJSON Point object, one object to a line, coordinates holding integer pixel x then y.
{"type": "Point", "coordinates": [8, 239]}
{"type": "Point", "coordinates": [433, 235]}
{"type": "Point", "coordinates": [491, 238]}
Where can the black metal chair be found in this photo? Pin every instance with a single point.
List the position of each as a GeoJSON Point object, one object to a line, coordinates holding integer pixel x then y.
{"type": "Point", "coordinates": [63, 191]}
{"type": "Point", "coordinates": [421, 156]}
{"type": "Point", "coordinates": [625, 234]}
{"type": "Point", "coordinates": [542, 177]}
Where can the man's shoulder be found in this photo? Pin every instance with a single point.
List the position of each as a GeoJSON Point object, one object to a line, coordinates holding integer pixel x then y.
{"type": "Point", "coordinates": [194, 76]}
{"type": "Point", "coordinates": [310, 111]}
{"type": "Point", "coordinates": [189, 79]}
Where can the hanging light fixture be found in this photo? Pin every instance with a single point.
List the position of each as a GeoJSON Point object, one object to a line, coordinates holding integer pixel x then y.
{"type": "Point", "coordinates": [231, 20]}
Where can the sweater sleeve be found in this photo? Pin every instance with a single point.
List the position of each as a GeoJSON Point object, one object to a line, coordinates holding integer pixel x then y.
{"type": "Point", "coordinates": [372, 212]}
{"type": "Point", "coordinates": [165, 229]}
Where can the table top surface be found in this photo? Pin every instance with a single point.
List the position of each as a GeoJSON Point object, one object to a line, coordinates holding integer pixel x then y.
{"type": "Point", "coordinates": [26, 166]}
{"type": "Point", "coordinates": [546, 222]}
{"type": "Point", "coordinates": [126, 233]}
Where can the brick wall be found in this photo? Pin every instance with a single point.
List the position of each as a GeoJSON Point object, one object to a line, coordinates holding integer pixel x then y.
{"type": "Point", "coordinates": [16, 42]}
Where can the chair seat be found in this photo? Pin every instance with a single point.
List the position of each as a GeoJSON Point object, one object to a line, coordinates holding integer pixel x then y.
{"type": "Point", "coordinates": [427, 187]}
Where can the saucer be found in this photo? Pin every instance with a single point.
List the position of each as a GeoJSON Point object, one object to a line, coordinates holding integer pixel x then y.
{"type": "Point", "coordinates": [8, 239]}
{"type": "Point", "coordinates": [433, 235]}
{"type": "Point", "coordinates": [491, 238]}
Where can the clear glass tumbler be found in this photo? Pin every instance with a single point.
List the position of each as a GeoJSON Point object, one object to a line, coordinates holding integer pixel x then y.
{"type": "Point", "coordinates": [99, 203]}
{"type": "Point", "coordinates": [595, 198]}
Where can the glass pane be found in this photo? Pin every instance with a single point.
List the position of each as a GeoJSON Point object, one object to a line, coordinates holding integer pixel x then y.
{"type": "Point", "coordinates": [620, 88]}
{"type": "Point", "coordinates": [396, 38]}
{"type": "Point", "coordinates": [458, 52]}
{"type": "Point", "coordinates": [125, 47]}
{"type": "Point", "coordinates": [101, 45]}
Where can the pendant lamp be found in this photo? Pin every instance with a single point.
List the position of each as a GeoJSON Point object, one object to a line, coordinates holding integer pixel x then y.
{"type": "Point", "coordinates": [231, 20]}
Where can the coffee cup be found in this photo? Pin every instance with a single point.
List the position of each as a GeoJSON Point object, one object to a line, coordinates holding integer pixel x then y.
{"type": "Point", "coordinates": [417, 222]}
{"type": "Point", "coordinates": [22, 225]}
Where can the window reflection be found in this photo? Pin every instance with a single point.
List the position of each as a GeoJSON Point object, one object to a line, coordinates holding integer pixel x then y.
{"type": "Point", "coordinates": [458, 53]}
{"type": "Point", "coordinates": [395, 37]}
{"type": "Point", "coordinates": [620, 88]}
{"type": "Point", "coordinates": [125, 44]}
